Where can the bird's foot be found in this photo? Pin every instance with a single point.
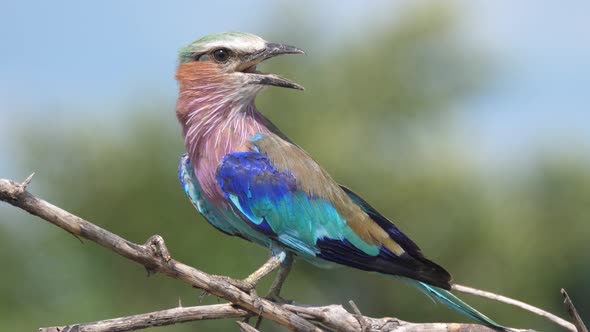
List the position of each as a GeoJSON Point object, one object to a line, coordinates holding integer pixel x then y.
{"type": "Point", "coordinates": [278, 299]}
{"type": "Point", "coordinates": [250, 282]}
{"type": "Point", "coordinates": [158, 248]}
{"type": "Point", "coordinates": [257, 301]}
{"type": "Point", "coordinates": [203, 295]}
{"type": "Point", "coordinates": [245, 285]}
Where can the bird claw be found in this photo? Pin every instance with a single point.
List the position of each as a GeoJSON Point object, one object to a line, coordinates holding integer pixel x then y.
{"type": "Point", "coordinates": [257, 301]}
{"type": "Point", "coordinates": [203, 295]}
{"type": "Point", "coordinates": [158, 248]}
{"type": "Point", "coordinates": [276, 298]}
{"type": "Point", "coordinates": [244, 284]}
{"type": "Point", "coordinates": [157, 245]}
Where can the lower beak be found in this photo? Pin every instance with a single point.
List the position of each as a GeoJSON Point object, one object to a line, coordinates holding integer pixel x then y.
{"type": "Point", "coordinates": [271, 50]}
{"type": "Point", "coordinates": [271, 79]}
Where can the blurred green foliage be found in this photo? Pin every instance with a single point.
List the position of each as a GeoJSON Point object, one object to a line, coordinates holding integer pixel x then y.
{"type": "Point", "coordinates": [378, 114]}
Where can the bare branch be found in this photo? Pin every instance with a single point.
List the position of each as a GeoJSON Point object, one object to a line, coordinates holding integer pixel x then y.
{"type": "Point", "coordinates": [489, 295]}
{"type": "Point", "coordinates": [333, 317]}
{"type": "Point", "coordinates": [571, 310]}
{"type": "Point", "coordinates": [155, 258]}
{"type": "Point", "coordinates": [156, 318]}
{"type": "Point", "coordinates": [144, 255]}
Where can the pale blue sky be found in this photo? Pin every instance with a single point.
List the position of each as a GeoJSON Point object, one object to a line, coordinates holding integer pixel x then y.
{"type": "Point", "coordinates": [96, 55]}
{"type": "Point", "coordinates": [542, 97]}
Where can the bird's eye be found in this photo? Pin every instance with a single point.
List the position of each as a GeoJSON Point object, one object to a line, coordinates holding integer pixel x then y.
{"type": "Point", "coordinates": [221, 54]}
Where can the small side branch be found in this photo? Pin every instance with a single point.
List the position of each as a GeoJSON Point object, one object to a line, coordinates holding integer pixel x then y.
{"type": "Point", "coordinates": [359, 316]}
{"type": "Point", "coordinates": [571, 310]}
{"type": "Point", "coordinates": [489, 295]}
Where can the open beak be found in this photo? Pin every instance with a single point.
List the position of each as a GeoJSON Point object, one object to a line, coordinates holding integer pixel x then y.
{"type": "Point", "coordinates": [271, 50]}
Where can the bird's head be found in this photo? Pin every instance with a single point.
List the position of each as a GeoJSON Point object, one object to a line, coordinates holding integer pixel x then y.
{"type": "Point", "coordinates": [226, 62]}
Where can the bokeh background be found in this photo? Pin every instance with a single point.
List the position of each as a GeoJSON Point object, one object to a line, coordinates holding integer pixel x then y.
{"type": "Point", "coordinates": [465, 122]}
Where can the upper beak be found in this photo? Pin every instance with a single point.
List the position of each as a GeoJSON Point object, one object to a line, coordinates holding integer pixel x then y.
{"type": "Point", "coordinates": [271, 50]}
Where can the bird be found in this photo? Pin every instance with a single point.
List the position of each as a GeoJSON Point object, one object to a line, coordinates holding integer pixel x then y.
{"type": "Point", "coordinates": [249, 180]}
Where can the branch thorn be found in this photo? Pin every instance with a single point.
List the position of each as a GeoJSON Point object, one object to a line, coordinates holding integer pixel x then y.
{"type": "Point", "coordinates": [25, 183]}
{"type": "Point", "coordinates": [359, 316]}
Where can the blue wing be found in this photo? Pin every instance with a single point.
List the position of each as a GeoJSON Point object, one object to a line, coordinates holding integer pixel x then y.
{"type": "Point", "coordinates": [224, 220]}
{"type": "Point", "coordinates": [270, 202]}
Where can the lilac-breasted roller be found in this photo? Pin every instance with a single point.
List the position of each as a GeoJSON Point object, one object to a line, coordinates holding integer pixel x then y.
{"type": "Point", "coordinates": [249, 180]}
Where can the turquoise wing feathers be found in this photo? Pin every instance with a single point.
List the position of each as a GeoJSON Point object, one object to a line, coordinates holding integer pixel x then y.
{"type": "Point", "coordinates": [272, 204]}
{"type": "Point", "coordinates": [274, 201]}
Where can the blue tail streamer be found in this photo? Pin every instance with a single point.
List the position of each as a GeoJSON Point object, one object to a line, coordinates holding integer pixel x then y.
{"type": "Point", "coordinates": [447, 298]}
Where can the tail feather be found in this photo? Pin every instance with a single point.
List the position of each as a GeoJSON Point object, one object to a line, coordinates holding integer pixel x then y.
{"type": "Point", "coordinates": [447, 298]}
